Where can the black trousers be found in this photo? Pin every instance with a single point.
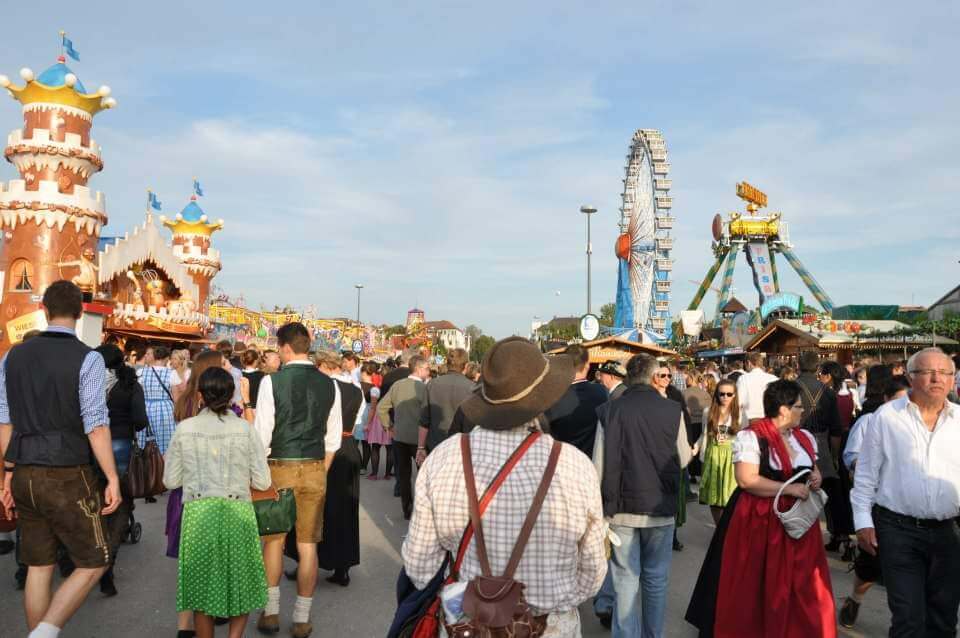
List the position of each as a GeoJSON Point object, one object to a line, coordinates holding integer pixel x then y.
{"type": "Point", "coordinates": [404, 456]}
{"type": "Point", "coordinates": [920, 570]}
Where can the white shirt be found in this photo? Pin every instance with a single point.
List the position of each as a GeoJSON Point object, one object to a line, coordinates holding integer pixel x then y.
{"type": "Point", "coordinates": [750, 387]}
{"type": "Point", "coordinates": [746, 449]}
{"type": "Point", "coordinates": [346, 377]}
{"type": "Point", "coordinates": [264, 422]}
{"type": "Point", "coordinates": [906, 468]}
{"type": "Point", "coordinates": [855, 440]}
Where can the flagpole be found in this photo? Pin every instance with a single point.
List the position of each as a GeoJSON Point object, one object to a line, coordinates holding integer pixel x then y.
{"type": "Point", "coordinates": [62, 35]}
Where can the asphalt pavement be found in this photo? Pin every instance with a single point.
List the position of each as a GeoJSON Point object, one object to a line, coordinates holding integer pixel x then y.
{"type": "Point", "coordinates": [147, 582]}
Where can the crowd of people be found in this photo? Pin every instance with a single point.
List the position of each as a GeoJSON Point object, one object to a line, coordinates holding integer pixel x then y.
{"type": "Point", "coordinates": [585, 472]}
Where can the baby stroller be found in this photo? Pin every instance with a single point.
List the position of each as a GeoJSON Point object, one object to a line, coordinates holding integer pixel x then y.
{"type": "Point", "coordinates": [134, 530]}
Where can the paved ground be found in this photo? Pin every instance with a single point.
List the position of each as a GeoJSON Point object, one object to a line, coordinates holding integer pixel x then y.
{"type": "Point", "coordinates": [147, 583]}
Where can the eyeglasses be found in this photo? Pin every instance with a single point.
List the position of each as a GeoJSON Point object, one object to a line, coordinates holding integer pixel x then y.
{"type": "Point", "coordinates": [726, 394]}
{"type": "Point", "coordinates": [663, 375]}
{"type": "Point", "coordinates": [930, 373]}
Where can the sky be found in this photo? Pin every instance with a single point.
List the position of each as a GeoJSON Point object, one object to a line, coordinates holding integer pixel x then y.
{"type": "Point", "coordinates": [438, 153]}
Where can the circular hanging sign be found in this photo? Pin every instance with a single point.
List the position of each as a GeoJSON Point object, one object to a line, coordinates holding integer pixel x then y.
{"type": "Point", "coordinates": [357, 346]}
{"type": "Point", "coordinates": [589, 327]}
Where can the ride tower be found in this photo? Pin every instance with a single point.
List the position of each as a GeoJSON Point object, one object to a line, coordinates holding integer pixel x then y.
{"type": "Point", "coordinates": [761, 237]}
{"type": "Point", "coordinates": [50, 219]}
{"type": "Point", "coordinates": [192, 232]}
{"type": "Point", "coordinates": [644, 245]}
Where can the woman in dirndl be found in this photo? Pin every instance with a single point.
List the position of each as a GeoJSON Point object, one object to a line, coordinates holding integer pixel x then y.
{"type": "Point", "coordinates": [188, 405]}
{"type": "Point", "coordinates": [756, 580]}
{"type": "Point", "coordinates": [160, 389]}
{"type": "Point", "coordinates": [215, 457]}
{"type": "Point", "coordinates": [722, 419]}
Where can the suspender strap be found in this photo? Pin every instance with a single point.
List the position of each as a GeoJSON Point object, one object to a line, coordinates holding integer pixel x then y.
{"type": "Point", "coordinates": [474, 505]}
{"type": "Point", "coordinates": [488, 494]}
{"type": "Point", "coordinates": [534, 512]}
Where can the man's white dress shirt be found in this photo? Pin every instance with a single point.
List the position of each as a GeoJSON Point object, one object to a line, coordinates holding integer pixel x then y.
{"type": "Point", "coordinates": [750, 388]}
{"type": "Point", "coordinates": [906, 468]}
{"type": "Point", "coordinates": [264, 421]}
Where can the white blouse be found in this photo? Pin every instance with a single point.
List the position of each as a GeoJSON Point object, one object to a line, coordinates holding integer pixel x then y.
{"type": "Point", "coordinates": [746, 449]}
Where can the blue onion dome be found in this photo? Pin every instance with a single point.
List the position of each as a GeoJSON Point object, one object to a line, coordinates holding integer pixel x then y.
{"type": "Point", "coordinates": [192, 212]}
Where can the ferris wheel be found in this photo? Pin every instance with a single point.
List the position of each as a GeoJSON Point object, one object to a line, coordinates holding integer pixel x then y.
{"type": "Point", "coordinates": [644, 245]}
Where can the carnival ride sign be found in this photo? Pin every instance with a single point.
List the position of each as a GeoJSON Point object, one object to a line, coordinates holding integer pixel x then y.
{"type": "Point", "coordinates": [781, 301]}
{"type": "Point", "coordinates": [16, 328]}
{"type": "Point", "coordinates": [758, 256]}
{"type": "Point", "coordinates": [752, 194]}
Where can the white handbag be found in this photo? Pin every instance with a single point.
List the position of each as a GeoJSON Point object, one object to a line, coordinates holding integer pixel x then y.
{"type": "Point", "coordinates": [804, 513]}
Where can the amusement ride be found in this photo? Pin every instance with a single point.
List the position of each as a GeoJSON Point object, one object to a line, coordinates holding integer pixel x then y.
{"type": "Point", "coordinates": [644, 244]}
{"type": "Point", "coordinates": [761, 237]}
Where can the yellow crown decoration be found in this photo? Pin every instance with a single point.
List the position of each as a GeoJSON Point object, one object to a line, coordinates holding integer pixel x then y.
{"type": "Point", "coordinates": [192, 221]}
{"type": "Point", "coordinates": [63, 88]}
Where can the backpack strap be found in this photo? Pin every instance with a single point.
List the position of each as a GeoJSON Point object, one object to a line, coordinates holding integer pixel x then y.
{"type": "Point", "coordinates": [534, 512]}
{"type": "Point", "coordinates": [474, 505]}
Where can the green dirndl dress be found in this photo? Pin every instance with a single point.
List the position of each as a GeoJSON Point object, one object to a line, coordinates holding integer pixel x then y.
{"type": "Point", "coordinates": [718, 481]}
{"type": "Point", "coordinates": [221, 565]}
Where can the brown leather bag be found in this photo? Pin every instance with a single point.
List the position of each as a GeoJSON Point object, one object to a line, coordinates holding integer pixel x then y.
{"type": "Point", "coordinates": [145, 473]}
{"type": "Point", "coordinates": [495, 607]}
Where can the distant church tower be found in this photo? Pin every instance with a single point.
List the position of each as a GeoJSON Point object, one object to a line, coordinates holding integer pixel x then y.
{"type": "Point", "coordinates": [50, 221]}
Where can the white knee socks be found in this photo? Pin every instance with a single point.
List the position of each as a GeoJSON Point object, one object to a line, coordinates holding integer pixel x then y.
{"type": "Point", "coordinates": [301, 610]}
{"type": "Point", "coordinates": [273, 601]}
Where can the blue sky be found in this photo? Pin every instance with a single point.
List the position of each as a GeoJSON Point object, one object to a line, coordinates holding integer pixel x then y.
{"type": "Point", "coordinates": [438, 153]}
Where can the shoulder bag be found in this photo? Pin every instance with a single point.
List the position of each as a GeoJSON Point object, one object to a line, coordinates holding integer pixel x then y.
{"type": "Point", "coordinates": [804, 513]}
{"type": "Point", "coordinates": [495, 606]}
{"type": "Point", "coordinates": [144, 476]}
{"type": "Point", "coordinates": [419, 610]}
{"type": "Point", "coordinates": [276, 510]}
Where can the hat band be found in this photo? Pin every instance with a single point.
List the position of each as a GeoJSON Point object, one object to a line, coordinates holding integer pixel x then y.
{"type": "Point", "coordinates": [530, 388]}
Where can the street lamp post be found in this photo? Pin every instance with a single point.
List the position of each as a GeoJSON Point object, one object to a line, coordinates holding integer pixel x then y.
{"type": "Point", "coordinates": [588, 211]}
{"type": "Point", "coordinates": [358, 287]}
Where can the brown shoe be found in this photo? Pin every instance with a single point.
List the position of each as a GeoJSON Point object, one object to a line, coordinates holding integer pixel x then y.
{"type": "Point", "coordinates": [268, 624]}
{"type": "Point", "coordinates": [301, 629]}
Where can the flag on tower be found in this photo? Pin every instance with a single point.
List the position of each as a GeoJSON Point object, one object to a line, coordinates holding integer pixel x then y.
{"type": "Point", "coordinates": [196, 188]}
{"type": "Point", "coordinates": [68, 48]}
{"type": "Point", "coordinates": [153, 201]}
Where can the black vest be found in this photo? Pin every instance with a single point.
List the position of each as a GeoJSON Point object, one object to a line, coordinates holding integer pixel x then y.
{"type": "Point", "coordinates": [641, 468]}
{"type": "Point", "coordinates": [43, 392]}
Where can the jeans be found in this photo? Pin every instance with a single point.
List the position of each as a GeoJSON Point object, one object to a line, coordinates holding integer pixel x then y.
{"type": "Point", "coordinates": [121, 454]}
{"type": "Point", "coordinates": [603, 601]}
{"type": "Point", "coordinates": [920, 568]}
{"type": "Point", "coordinates": [641, 563]}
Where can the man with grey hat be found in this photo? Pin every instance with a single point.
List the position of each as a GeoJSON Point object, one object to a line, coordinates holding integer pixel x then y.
{"type": "Point", "coordinates": [611, 374]}
{"type": "Point", "coordinates": [565, 562]}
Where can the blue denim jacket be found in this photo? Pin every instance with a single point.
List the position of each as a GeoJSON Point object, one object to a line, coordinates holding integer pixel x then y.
{"type": "Point", "coordinates": [216, 456]}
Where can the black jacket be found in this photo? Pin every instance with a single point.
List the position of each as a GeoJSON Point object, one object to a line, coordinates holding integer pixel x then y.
{"type": "Point", "coordinates": [641, 464]}
{"type": "Point", "coordinates": [127, 409]}
{"type": "Point", "coordinates": [824, 416]}
{"type": "Point", "coordinates": [573, 419]}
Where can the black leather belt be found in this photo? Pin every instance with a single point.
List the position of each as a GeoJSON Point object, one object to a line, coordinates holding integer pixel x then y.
{"type": "Point", "coordinates": [911, 521]}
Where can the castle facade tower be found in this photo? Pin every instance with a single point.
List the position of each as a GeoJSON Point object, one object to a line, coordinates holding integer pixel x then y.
{"type": "Point", "coordinates": [192, 232]}
{"type": "Point", "coordinates": [50, 220]}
